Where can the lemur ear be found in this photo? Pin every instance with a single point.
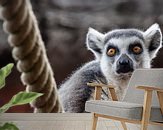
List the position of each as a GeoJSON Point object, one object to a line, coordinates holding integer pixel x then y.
{"type": "Point", "coordinates": [153, 38]}
{"type": "Point", "coordinates": [95, 42]}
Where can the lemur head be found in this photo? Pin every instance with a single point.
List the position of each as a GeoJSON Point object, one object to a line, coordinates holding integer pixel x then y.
{"type": "Point", "coordinates": [121, 51]}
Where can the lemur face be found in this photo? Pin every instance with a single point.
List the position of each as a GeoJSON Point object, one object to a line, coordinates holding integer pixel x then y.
{"type": "Point", "coordinates": [121, 51]}
{"type": "Point", "coordinates": [124, 51]}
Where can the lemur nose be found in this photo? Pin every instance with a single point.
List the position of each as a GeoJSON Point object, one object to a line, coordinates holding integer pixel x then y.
{"type": "Point", "coordinates": [124, 65]}
{"type": "Point", "coordinates": [124, 62]}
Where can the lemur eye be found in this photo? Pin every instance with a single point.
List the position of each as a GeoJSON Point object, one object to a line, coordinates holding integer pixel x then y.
{"type": "Point", "coordinates": [111, 52]}
{"type": "Point", "coordinates": [137, 50]}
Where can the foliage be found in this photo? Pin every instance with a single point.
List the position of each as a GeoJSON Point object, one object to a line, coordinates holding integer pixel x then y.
{"type": "Point", "coordinates": [18, 99]}
{"type": "Point", "coordinates": [9, 126]}
{"type": "Point", "coordinates": [4, 72]}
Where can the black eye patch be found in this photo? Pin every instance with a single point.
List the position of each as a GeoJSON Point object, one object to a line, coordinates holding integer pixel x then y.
{"type": "Point", "coordinates": [112, 47]}
{"type": "Point", "coordinates": [134, 46]}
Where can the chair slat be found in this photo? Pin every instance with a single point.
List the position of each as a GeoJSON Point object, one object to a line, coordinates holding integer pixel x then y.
{"type": "Point", "coordinates": [160, 97]}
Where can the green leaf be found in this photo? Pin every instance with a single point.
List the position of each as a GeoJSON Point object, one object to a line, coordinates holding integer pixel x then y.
{"type": "Point", "coordinates": [4, 72]}
{"type": "Point", "coordinates": [9, 126]}
{"type": "Point", "coordinates": [5, 107]}
{"type": "Point", "coordinates": [20, 99]}
{"type": "Point", "coordinates": [24, 98]}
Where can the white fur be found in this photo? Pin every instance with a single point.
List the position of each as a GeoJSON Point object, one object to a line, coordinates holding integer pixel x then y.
{"type": "Point", "coordinates": [151, 31]}
{"type": "Point", "coordinates": [148, 35]}
{"type": "Point", "coordinates": [95, 36]}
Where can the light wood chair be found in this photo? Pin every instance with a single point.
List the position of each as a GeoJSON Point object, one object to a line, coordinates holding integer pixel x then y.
{"type": "Point", "coordinates": [143, 102]}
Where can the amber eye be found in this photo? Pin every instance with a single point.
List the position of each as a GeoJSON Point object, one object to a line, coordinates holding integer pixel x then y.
{"type": "Point", "coordinates": [111, 52]}
{"type": "Point", "coordinates": [137, 50]}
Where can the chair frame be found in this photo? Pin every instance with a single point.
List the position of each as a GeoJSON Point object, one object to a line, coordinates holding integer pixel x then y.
{"type": "Point", "coordinates": [146, 106]}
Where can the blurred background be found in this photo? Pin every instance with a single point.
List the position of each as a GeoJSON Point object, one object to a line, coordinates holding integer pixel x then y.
{"type": "Point", "coordinates": [64, 24]}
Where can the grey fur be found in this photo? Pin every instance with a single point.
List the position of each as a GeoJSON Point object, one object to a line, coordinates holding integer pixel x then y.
{"type": "Point", "coordinates": [124, 33]}
{"type": "Point", "coordinates": [74, 92]}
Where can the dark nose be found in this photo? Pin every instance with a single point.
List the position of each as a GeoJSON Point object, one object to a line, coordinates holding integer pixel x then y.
{"type": "Point", "coordinates": [124, 64]}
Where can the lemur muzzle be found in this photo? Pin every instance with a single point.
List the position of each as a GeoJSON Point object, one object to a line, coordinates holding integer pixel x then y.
{"type": "Point", "coordinates": [124, 64]}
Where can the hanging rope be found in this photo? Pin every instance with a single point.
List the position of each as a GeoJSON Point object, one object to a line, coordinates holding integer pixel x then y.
{"type": "Point", "coordinates": [29, 50]}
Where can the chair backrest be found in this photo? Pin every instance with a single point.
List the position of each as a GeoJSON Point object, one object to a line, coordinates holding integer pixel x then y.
{"type": "Point", "coordinates": [147, 77]}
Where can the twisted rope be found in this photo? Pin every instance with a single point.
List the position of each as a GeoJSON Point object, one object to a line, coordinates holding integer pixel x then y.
{"type": "Point", "coordinates": [29, 50]}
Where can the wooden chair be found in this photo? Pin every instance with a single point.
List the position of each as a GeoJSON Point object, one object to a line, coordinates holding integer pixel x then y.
{"type": "Point", "coordinates": [143, 102]}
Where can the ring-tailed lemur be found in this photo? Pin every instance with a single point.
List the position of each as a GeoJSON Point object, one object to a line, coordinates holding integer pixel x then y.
{"type": "Point", "coordinates": [118, 53]}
